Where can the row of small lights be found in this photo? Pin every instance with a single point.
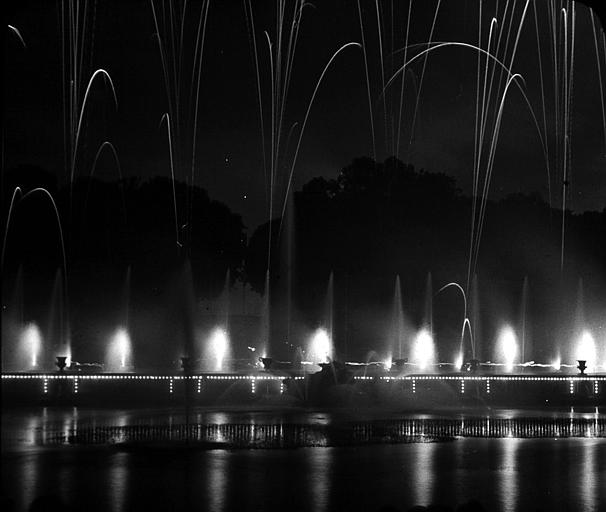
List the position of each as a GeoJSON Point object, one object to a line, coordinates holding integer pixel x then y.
{"type": "Point", "coordinates": [145, 377]}
{"type": "Point", "coordinates": [492, 377]}
{"type": "Point", "coordinates": [298, 377]}
{"type": "Point", "coordinates": [463, 379]}
{"type": "Point", "coordinates": [253, 385]}
{"type": "Point", "coordinates": [268, 377]}
{"type": "Point", "coordinates": [170, 385]}
{"type": "Point", "coordinates": [278, 377]}
{"type": "Point", "coordinates": [242, 377]}
{"type": "Point", "coordinates": [499, 377]}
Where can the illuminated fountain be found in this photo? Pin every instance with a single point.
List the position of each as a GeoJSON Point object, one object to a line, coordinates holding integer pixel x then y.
{"type": "Point", "coordinates": [508, 347]}
{"type": "Point", "coordinates": [523, 321]}
{"type": "Point", "coordinates": [459, 359]}
{"type": "Point", "coordinates": [217, 350]}
{"type": "Point", "coordinates": [586, 351]}
{"type": "Point", "coordinates": [217, 347]}
{"type": "Point", "coordinates": [31, 345]}
{"type": "Point", "coordinates": [329, 304]}
{"type": "Point", "coordinates": [57, 330]}
{"type": "Point", "coordinates": [458, 362]}
{"type": "Point", "coordinates": [59, 296]}
{"type": "Point", "coordinates": [320, 347]}
{"type": "Point", "coordinates": [397, 322]}
{"type": "Point", "coordinates": [423, 352]}
{"type": "Point", "coordinates": [557, 364]}
{"type": "Point", "coordinates": [387, 363]}
{"type": "Point", "coordinates": [265, 328]}
{"type": "Point", "coordinates": [119, 351]}
{"type": "Point", "coordinates": [428, 315]}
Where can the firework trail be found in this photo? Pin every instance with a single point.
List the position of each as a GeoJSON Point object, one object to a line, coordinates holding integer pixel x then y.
{"type": "Point", "coordinates": [15, 31]}
{"type": "Point", "coordinates": [372, 122]}
{"type": "Point", "coordinates": [281, 50]}
{"type": "Point", "coordinates": [175, 40]}
{"type": "Point", "coordinates": [599, 66]}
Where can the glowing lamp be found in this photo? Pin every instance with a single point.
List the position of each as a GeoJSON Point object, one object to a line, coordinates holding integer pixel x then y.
{"type": "Point", "coordinates": [119, 349]}
{"type": "Point", "coordinates": [458, 364]}
{"type": "Point", "coordinates": [320, 346]}
{"type": "Point", "coordinates": [31, 340]}
{"type": "Point", "coordinates": [509, 347]}
{"type": "Point", "coordinates": [586, 349]}
{"type": "Point", "coordinates": [423, 348]}
{"type": "Point", "coordinates": [218, 346]}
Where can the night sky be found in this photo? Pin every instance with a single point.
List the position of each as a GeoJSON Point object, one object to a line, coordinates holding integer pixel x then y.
{"type": "Point", "coordinates": [229, 152]}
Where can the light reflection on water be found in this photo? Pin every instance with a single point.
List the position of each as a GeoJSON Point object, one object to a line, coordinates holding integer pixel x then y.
{"type": "Point", "coordinates": [459, 494]}
{"type": "Point", "coordinates": [320, 473]}
{"type": "Point", "coordinates": [509, 477]}
{"type": "Point", "coordinates": [118, 482]}
{"type": "Point", "coordinates": [277, 434]}
{"type": "Point", "coordinates": [502, 473]}
{"type": "Point", "coordinates": [33, 425]}
{"type": "Point", "coordinates": [217, 483]}
{"type": "Point", "coordinates": [65, 479]}
{"type": "Point", "coordinates": [28, 472]}
{"type": "Point", "coordinates": [424, 476]}
{"type": "Point", "coordinates": [588, 491]}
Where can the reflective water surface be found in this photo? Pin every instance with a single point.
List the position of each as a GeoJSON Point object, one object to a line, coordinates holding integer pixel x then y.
{"type": "Point", "coordinates": [507, 460]}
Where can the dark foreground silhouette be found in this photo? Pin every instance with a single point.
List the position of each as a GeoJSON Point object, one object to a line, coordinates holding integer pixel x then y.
{"type": "Point", "coordinates": [53, 503]}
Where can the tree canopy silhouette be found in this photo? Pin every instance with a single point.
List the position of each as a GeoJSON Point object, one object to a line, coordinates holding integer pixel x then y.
{"type": "Point", "coordinates": [376, 220]}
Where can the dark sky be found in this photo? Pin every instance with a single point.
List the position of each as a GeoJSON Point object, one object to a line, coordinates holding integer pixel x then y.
{"type": "Point", "coordinates": [229, 151]}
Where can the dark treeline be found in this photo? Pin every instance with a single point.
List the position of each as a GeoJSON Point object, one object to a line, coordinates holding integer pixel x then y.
{"type": "Point", "coordinates": [123, 260]}
{"type": "Point", "coordinates": [372, 222]}
{"type": "Point", "coordinates": [109, 226]}
{"type": "Point", "coordinates": [379, 220]}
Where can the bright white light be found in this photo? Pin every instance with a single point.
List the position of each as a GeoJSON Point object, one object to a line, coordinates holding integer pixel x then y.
{"type": "Point", "coordinates": [508, 344]}
{"type": "Point", "coordinates": [586, 349]}
{"type": "Point", "coordinates": [459, 362]}
{"type": "Point", "coordinates": [387, 363]}
{"type": "Point", "coordinates": [423, 349]}
{"type": "Point", "coordinates": [119, 349]}
{"type": "Point", "coordinates": [557, 364]}
{"type": "Point", "coordinates": [320, 347]}
{"type": "Point", "coordinates": [218, 343]}
{"type": "Point", "coordinates": [31, 341]}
